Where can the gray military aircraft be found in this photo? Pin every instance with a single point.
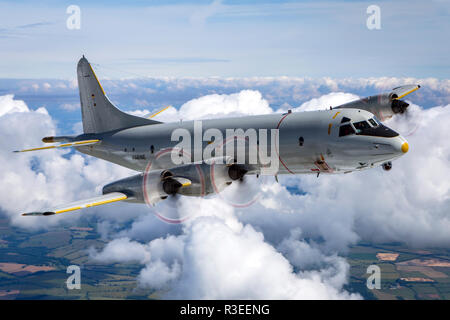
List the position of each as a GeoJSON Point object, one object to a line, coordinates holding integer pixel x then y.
{"type": "Point", "coordinates": [342, 139]}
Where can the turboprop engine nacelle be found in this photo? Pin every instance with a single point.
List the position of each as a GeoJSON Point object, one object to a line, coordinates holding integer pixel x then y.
{"type": "Point", "coordinates": [189, 180]}
{"type": "Point", "coordinates": [384, 105]}
{"type": "Point", "coordinates": [134, 188]}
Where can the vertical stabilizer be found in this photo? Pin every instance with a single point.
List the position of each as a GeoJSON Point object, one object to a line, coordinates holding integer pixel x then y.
{"type": "Point", "coordinates": [98, 113]}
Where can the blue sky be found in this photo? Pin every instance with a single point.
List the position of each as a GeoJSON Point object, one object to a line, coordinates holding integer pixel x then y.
{"type": "Point", "coordinates": [226, 38]}
{"type": "Point", "coordinates": [191, 50]}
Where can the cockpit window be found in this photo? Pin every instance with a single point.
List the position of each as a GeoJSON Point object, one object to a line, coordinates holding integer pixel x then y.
{"type": "Point", "coordinates": [373, 122]}
{"type": "Point", "coordinates": [376, 120]}
{"type": "Point", "coordinates": [345, 130]}
{"type": "Point", "coordinates": [362, 125]}
{"type": "Point", "coordinates": [363, 128]}
{"type": "Point", "coordinates": [379, 130]}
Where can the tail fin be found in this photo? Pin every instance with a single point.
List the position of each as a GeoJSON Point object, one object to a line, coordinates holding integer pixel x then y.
{"type": "Point", "coordinates": [98, 113]}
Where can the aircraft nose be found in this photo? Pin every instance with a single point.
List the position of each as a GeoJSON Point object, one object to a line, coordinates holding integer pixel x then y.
{"type": "Point", "coordinates": [405, 147]}
{"type": "Point", "coordinates": [401, 145]}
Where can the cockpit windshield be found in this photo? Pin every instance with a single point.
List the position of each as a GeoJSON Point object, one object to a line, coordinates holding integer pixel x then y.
{"type": "Point", "coordinates": [373, 122]}
{"type": "Point", "coordinates": [370, 127]}
{"type": "Point", "coordinates": [361, 125]}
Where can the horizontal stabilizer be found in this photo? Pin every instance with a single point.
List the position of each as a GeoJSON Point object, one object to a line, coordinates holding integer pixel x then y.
{"type": "Point", "coordinates": [64, 145]}
{"type": "Point", "coordinates": [96, 201]}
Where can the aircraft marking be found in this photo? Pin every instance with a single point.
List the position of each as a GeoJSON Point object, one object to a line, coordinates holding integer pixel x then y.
{"type": "Point", "coordinates": [276, 148]}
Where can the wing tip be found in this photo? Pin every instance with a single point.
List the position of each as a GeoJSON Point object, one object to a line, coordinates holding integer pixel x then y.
{"type": "Point", "coordinates": [48, 139]}
{"type": "Point", "coordinates": [46, 213]}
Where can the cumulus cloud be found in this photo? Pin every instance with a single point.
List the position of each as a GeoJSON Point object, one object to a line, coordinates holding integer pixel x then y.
{"type": "Point", "coordinates": [154, 93]}
{"type": "Point", "coordinates": [33, 181]}
{"type": "Point", "coordinates": [222, 263]}
{"type": "Point", "coordinates": [301, 236]}
{"type": "Point", "coordinates": [211, 260]}
{"type": "Point", "coordinates": [168, 115]}
{"type": "Point", "coordinates": [70, 106]}
{"type": "Point", "coordinates": [333, 99]}
{"type": "Point", "coordinates": [286, 245]}
{"type": "Point", "coordinates": [122, 250]}
{"type": "Point", "coordinates": [245, 102]}
{"type": "Point", "coordinates": [9, 105]}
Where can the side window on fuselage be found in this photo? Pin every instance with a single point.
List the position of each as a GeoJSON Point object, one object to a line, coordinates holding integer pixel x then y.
{"type": "Point", "coordinates": [345, 130]}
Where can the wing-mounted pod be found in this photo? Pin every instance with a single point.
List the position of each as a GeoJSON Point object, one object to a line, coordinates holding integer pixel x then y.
{"type": "Point", "coordinates": [156, 185]}
{"type": "Point", "coordinates": [223, 175]}
{"type": "Point", "coordinates": [384, 105]}
{"type": "Point", "coordinates": [149, 187]}
{"type": "Point", "coordinates": [195, 180]}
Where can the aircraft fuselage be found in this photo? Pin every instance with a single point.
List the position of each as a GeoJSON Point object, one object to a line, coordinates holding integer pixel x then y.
{"type": "Point", "coordinates": [309, 142]}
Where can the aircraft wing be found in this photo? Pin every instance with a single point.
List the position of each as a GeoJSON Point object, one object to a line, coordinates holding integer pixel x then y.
{"type": "Point", "coordinates": [80, 204]}
{"type": "Point", "coordinates": [403, 91]}
{"type": "Point", "coordinates": [64, 145]}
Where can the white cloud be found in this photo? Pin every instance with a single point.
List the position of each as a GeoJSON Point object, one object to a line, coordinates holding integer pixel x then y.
{"type": "Point", "coordinates": [122, 250]}
{"type": "Point", "coordinates": [210, 260]}
{"type": "Point", "coordinates": [70, 106]}
{"type": "Point", "coordinates": [221, 263]}
{"type": "Point", "coordinates": [324, 102]}
{"type": "Point", "coordinates": [336, 210]}
{"type": "Point", "coordinates": [158, 275]}
{"type": "Point", "coordinates": [285, 246]}
{"type": "Point", "coordinates": [246, 102]}
{"type": "Point", "coordinates": [168, 115]}
{"type": "Point", "coordinates": [42, 179]}
{"type": "Point", "coordinates": [9, 105]}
